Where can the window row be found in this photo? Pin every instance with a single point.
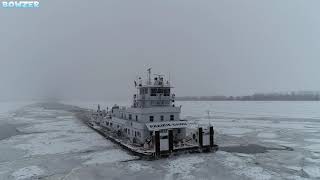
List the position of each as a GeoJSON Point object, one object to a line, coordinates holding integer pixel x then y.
{"type": "Point", "coordinates": [164, 91]}
{"type": "Point", "coordinates": [155, 91]}
{"type": "Point", "coordinates": [124, 116]}
{"type": "Point", "coordinates": [151, 118]}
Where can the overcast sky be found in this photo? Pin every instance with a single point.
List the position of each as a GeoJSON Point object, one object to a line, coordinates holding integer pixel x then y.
{"type": "Point", "coordinates": [82, 49]}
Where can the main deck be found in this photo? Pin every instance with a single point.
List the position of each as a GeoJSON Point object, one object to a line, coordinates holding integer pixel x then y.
{"type": "Point", "coordinates": [153, 153]}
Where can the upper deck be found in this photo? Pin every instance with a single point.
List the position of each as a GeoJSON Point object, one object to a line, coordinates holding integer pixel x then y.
{"type": "Point", "coordinates": [153, 93]}
{"type": "Point", "coordinates": [153, 102]}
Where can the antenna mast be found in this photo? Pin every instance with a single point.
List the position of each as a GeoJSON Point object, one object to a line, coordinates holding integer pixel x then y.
{"type": "Point", "coordinates": [149, 76]}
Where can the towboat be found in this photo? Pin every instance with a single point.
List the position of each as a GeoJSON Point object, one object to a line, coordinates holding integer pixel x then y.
{"type": "Point", "coordinates": [151, 126]}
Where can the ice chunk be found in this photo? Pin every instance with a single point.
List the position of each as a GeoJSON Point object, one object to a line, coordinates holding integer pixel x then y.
{"type": "Point", "coordinates": [30, 172]}
{"type": "Point", "coordinates": [312, 171]}
{"type": "Point", "coordinates": [296, 168]}
{"type": "Point", "coordinates": [314, 147]}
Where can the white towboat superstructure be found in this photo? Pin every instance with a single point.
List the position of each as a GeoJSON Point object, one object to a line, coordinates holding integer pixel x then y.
{"type": "Point", "coordinates": [153, 113]}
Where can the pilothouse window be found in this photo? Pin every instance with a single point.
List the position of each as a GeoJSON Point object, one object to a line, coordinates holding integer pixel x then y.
{"type": "Point", "coordinates": [143, 91]}
{"type": "Point", "coordinates": [153, 92]}
{"type": "Point", "coordinates": [164, 91]}
{"type": "Point", "coordinates": [167, 92]}
{"type": "Point", "coordinates": [160, 91]}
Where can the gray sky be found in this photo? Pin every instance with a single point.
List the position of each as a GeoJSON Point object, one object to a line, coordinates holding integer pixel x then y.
{"type": "Point", "coordinates": [83, 49]}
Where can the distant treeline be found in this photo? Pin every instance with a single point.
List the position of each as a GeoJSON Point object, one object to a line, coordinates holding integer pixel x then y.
{"type": "Point", "coordinates": [257, 97]}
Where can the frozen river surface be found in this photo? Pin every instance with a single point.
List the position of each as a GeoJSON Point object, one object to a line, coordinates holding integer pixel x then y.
{"type": "Point", "coordinates": [258, 140]}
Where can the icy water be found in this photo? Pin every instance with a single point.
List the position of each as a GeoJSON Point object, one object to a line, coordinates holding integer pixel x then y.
{"type": "Point", "coordinates": [258, 140]}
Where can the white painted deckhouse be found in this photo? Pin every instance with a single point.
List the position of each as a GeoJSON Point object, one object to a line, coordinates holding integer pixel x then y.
{"type": "Point", "coordinates": [153, 109]}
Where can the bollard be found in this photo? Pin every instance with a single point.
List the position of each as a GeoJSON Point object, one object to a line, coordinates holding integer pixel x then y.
{"type": "Point", "coordinates": [157, 143]}
{"type": "Point", "coordinates": [200, 137]}
{"type": "Point", "coordinates": [211, 136]}
{"type": "Point", "coordinates": [170, 136]}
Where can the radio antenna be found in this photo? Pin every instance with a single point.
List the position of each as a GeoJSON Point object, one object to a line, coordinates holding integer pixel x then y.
{"type": "Point", "coordinates": [149, 76]}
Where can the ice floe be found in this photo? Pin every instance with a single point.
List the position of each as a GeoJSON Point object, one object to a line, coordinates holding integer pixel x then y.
{"type": "Point", "coordinates": [314, 147]}
{"type": "Point", "coordinates": [267, 135]}
{"type": "Point", "coordinates": [58, 142]}
{"type": "Point", "coordinates": [296, 168]}
{"type": "Point", "coordinates": [136, 167]}
{"type": "Point", "coordinates": [70, 124]}
{"type": "Point", "coordinates": [30, 172]}
{"type": "Point", "coordinates": [55, 135]}
{"type": "Point", "coordinates": [281, 142]}
{"type": "Point", "coordinates": [56, 138]}
{"type": "Point", "coordinates": [181, 168]}
{"type": "Point", "coordinates": [234, 131]}
{"type": "Point", "coordinates": [244, 166]}
{"type": "Point", "coordinates": [313, 140]}
{"type": "Point", "coordinates": [312, 171]}
{"type": "Point", "coordinates": [108, 156]}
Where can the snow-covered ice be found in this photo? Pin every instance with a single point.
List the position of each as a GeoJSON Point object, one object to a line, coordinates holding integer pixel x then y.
{"type": "Point", "coordinates": [57, 143]}
{"type": "Point", "coordinates": [313, 140]}
{"type": "Point", "coordinates": [31, 172]}
{"type": "Point", "coordinates": [234, 131]}
{"type": "Point", "coordinates": [280, 142]}
{"type": "Point", "coordinates": [312, 171]}
{"type": "Point", "coordinates": [182, 167]}
{"type": "Point", "coordinates": [51, 143]}
{"type": "Point", "coordinates": [314, 147]}
{"type": "Point", "coordinates": [267, 135]}
{"type": "Point", "coordinates": [136, 167]}
{"type": "Point", "coordinates": [110, 156]}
